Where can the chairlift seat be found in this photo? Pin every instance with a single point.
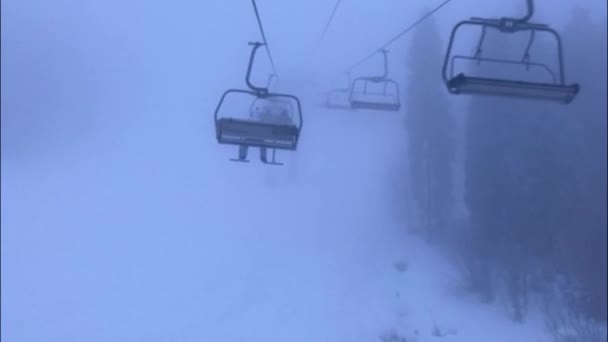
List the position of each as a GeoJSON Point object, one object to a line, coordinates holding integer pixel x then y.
{"type": "Point", "coordinates": [387, 100]}
{"type": "Point", "coordinates": [375, 101]}
{"type": "Point", "coordinates": [462, 84]}
{"type": "Point", "coordinates": [256, 133]}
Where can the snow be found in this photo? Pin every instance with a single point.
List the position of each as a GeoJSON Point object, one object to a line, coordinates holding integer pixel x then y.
{"type": "Point", "coordinates": [164, 239]}
{"type": "Point", "coordinates": [143, 230]}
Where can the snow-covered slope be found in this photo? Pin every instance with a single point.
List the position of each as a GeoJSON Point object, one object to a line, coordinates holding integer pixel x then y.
{"type": "Point", "coordinates": [160, 239]}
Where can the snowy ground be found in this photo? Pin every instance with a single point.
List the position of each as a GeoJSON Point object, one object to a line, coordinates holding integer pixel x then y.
{"type": "Point", "coordinates": [159, 239]}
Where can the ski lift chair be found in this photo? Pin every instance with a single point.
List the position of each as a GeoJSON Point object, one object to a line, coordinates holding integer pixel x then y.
{"type": "Point", "coordinates": [387, 100]}
{"type": "Point", "coordinates": [339, 98]}
{"type": "Point", "coordinates": [555, 90]}
{"type": "Point", "coordinates": [260, 129]}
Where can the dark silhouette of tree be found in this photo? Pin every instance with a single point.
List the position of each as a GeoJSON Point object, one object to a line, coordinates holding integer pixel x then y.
{"type": "Point", "coordinates": [515, 178]}
{"type": "Point", "coordinates": [584, 246]}
{"type": "Point", "coordinates": [429, 131]}
{"type": "Point", "coordinates": [536, 179]}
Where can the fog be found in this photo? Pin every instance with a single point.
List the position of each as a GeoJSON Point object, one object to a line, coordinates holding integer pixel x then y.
{"type": "Point", "coordinates": [122, 217]}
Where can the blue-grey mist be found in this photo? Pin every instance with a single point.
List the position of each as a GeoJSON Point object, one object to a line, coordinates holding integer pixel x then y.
{"type": "Point", "coordinates": [122, 218]}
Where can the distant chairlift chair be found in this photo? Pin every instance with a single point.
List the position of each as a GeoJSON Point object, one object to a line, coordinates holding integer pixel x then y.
{"type": "Point", "coordinates": [461, 83]}
{"type": "Point", "coordinates": [387, 100]}
{"type": "Point", "coordinates": [339, 98]}
{"type": "Point", "coordinates": [274, 121]}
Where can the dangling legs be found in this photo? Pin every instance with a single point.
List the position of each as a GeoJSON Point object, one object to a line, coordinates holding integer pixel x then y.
{"type": "Point", "coordinates": [242, 157]}
{"type": "Point", "coordinates": [264, 156]}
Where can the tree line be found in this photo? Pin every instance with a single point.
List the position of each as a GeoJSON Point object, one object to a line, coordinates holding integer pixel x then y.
{"type": "Point", "coordinates": [535, 177]}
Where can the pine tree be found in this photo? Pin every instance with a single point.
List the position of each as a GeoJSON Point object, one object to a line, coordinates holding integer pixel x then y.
{"type": "Point", "coordinates": [429, 128]}
{"type": "Point", "coordinates": [586, 241]}
{"type": "Point", "coordinates": [489, 160]}
{"type": "Point", "coordinates": [514, 175]}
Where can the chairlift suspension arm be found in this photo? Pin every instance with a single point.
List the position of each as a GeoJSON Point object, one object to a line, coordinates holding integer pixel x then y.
{"type": "Point", "coordinates": [529, 13]}
{"type": "Point", "coordinates": [385, 53]}
{"type": "Point", "coordinates": [258, 90]}
{"type": "Point", "coordinates": [385, 67]}
{"type": "Point", "coordinates": [508, 24]}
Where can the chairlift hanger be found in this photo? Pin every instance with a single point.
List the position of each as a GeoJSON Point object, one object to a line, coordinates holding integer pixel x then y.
{"type": "Point", "coordinates": [557, 90]}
